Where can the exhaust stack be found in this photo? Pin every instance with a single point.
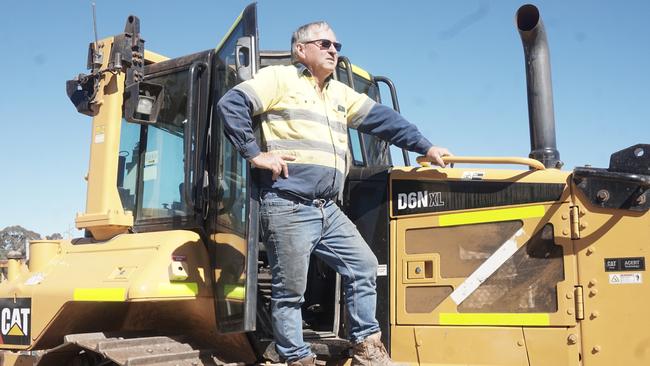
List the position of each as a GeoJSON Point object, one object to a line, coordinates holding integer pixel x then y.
{"type": "Point", "coordinates": [541, 118]}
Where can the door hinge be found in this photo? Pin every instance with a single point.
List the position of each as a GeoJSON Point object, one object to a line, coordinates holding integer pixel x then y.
{"type": "Point", "coordinates": [579, 302]}
{"type": "Point", "coordinates": [575, 222]}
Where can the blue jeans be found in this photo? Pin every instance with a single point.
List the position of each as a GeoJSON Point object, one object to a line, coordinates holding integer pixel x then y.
{"type": "Point", "coordinates": [291, 231]}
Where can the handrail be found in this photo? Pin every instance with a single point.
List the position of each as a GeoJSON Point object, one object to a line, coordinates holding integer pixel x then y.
{"type": "Point", "coordinates": [189, 129]}
{"type": "Point", "coordinates": [393, 96]}
{"type": "Point", "coordinates": [350, 75]}
{"type": "Point", "coordinates": [534, 164]}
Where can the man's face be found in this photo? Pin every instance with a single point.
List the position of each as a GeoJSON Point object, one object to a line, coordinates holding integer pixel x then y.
{"type": "Point", "coordinates": [318, 59]}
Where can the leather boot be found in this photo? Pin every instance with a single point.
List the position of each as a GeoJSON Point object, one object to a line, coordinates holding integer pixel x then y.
{"type": "Point", "coordinates": [371, 352]}
{"type": "Point", "coordinates": [307, 361]}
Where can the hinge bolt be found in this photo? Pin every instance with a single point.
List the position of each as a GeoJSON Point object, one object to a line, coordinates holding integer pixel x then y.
{"type": "Point", "coordinates": [583, 225]}
{"type": "Point", "coordinates": [593, 292]}
{"type": "Point", "coordinates": [572, 339]}
{"type": "Point", "coordinates": [591, 250]}
{"type": "Point", "coordinates": [602, 195]}
{"type": "Point", "coordinates": [595, 314]}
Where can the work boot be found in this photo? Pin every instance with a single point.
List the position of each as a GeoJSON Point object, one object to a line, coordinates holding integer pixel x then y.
{"type": "Point", "coordinates": [306, 361]}
{"type": "Point", "coordinates": [371, 352]}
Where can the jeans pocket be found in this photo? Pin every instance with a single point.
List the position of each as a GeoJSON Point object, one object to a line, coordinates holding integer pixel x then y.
{"type": "Point", "coordinates": [273, 206]}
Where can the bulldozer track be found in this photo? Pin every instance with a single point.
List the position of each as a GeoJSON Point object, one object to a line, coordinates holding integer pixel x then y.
{"type": "Point", "coordinates": [95, 349]}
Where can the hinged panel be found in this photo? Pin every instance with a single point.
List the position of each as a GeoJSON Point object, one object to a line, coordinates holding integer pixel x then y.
{"type": "Point", "coordinates": [575, 222]}
{"type": "Point", "coordinates": [580, 302]}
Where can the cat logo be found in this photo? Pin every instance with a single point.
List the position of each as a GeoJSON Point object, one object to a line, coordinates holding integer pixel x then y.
{"type": "Point", "coordinates": [15, 320]}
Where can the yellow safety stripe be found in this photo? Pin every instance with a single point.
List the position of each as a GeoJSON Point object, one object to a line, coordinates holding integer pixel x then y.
{"type": "Point", "coordinates": [235, 292]}
{"type": "Point", "coordinates": [99, 294]}
{"type": "Point", "coordinates": [178, 289]}
{"type": "Point", "coordinates": [360, 72]}
{"type": "Point", "coordinates": [504, 214]}
{"type": "Point", "coordinates": [314, 157]}
{"type": "Point", "coordinates": [536, 319]}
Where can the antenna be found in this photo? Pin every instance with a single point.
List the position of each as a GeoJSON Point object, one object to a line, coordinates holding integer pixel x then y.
{"type": "Point", "coordinates": [94, 54]}
{"type": "Point", "coordinates": [95, 24]}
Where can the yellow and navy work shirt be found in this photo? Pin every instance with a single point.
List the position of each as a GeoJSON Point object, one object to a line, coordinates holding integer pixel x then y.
{"type": "Point", "coordinates": [311, 127]}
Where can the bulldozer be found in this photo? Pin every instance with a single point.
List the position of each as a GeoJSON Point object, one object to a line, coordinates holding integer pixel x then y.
{"type": "Point", "coordinates": [479, 264]}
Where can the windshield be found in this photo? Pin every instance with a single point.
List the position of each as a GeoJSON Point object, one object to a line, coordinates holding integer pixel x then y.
{"type": "Point", "coordinates": [151, 165]}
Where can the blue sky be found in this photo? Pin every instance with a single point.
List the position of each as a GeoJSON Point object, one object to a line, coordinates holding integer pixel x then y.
{"type": "Point", "coordinates": [458, 67]}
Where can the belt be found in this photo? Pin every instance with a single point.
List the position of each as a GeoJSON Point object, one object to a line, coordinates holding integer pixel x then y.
{"type": "Point", "coordinates": [317, 202]}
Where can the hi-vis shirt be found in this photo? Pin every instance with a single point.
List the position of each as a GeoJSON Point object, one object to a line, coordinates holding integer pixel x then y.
{"type": "Point", "coordinates": [297, 121]}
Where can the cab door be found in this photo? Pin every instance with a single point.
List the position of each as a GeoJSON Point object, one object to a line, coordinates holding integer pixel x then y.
{"type": "Point", "coordinates": [232, 217]}
{"type": "Point", "coordinates": [484, 267]}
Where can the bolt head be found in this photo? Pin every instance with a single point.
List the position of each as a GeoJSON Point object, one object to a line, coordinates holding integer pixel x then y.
{"type": "Point", "coordinates": [596, 349]}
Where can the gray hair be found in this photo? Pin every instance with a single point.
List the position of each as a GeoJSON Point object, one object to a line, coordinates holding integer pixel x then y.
{"type": "Point", "coordinates": [304, 33]}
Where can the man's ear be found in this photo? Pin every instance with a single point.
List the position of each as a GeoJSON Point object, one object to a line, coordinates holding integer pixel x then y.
{"type": "Point", "coordinates": [300, 50]}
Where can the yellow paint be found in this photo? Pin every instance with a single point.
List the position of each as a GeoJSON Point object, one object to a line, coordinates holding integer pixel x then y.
{"type": "Point", "coordinates": [16, 331]}
{"type": "Point", "coordinates": [235, 292]}
{"type": "Point", "coordinates": [528, 319]}
{"type": "Point", "coordinates": [361, 72]}
{"type": "Point", "coordinates": [154, 57]}
{"type": "Point", "coordinates": [99, 294]}
{"type": "Point", "coordinates": [492, 215]}
{"type": "Point", "coordinates": [535, 164]}
{"type": "Point", "coordinates": [232, 27]}
{"type": "Point", "coordinates": [178, 289]}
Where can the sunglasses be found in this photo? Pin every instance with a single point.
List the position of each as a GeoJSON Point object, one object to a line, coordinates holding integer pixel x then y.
{"type": "Point", "coordinates": [325, 44]}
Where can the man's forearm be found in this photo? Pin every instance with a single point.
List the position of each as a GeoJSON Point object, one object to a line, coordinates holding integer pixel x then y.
{"type": "Point", "coordinates": [389, 125]}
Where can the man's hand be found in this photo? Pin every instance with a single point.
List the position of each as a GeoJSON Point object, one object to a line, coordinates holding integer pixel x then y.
{"type": "Point", "coordinates": [273, 162]}
{"type": "Point", "coordinates": [436, 153]}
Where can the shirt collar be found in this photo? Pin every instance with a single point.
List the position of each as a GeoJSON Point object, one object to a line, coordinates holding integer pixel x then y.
{"type": "Point", "coordinates": [304, 71]}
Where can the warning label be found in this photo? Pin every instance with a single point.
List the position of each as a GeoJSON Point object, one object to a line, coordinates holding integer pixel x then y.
{"type": "Point", "coordinates": [625, 278]}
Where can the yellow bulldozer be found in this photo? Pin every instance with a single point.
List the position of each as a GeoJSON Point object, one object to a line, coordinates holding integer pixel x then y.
{"type": "Point", "coordinates": [478, 265]}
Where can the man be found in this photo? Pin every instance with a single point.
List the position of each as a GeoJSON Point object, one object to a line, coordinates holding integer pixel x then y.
{"type": "Point", "coordinates": [305, 114]}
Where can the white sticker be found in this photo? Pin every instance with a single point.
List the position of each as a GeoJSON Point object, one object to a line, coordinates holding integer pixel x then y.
{"type": "Point", "coordinates": [151, 158]}
{"type": "Point", "coordinates": [625, 278]}
{"type": "Point", "coordinates": [35, 279]}
{"type": "Point", "coordinates": [99, 138]}
{"type": "Point", "coordinates": [150, 172]}
{"type": "Point", "coordinates": [382, 270]}
{"type": "Point", "coordinates": [472, 176]}
{"type": "Point", "coordinates": [485, 270]}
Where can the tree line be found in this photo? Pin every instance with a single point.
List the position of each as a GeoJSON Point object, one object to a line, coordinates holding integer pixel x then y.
{"type": "Point", "coordinates": [17, 238]}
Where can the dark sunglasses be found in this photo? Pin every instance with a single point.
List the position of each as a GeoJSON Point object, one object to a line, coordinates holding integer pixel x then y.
{"type": "Point", "coordinates": [325, 44]}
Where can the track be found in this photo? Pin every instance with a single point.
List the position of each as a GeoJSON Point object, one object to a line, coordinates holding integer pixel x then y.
{"type": "Point", "coordinates": [98, 349]}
